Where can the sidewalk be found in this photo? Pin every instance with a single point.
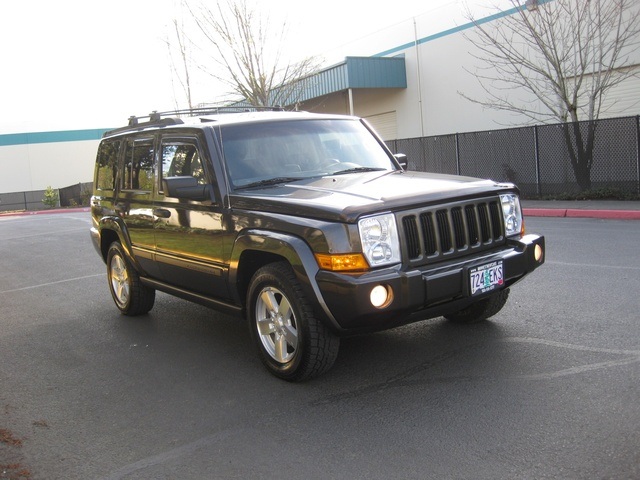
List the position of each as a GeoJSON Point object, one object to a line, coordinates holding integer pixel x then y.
{"type": "Point", "coordinates": [607, 209]}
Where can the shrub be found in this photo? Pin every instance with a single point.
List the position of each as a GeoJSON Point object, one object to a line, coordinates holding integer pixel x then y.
{"type": "Point", "coordinates": [50, 198]}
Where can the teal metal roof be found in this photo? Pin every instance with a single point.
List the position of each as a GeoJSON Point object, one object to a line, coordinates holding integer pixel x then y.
{"type": "Point", "coordinates": [50, 137]}
{"type": "Point", "coordinates": [357, 72]}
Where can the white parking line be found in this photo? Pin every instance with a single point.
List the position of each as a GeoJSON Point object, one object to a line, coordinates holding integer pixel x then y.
{"type": "Point", "coordinates": [52, 283]}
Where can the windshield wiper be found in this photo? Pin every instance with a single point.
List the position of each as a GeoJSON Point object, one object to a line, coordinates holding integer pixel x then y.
{"type": "Point", "coordinates": [269, 181]}
{"type": "Point", "coordinates": [359, 169]}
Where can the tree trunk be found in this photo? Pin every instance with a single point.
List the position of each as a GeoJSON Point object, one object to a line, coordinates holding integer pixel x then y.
{"type": "Point", "coordinates": [580, 148]}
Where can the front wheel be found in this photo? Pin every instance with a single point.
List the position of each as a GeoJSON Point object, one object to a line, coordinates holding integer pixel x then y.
{"type": "Point", "coordinates": [292, 343]}
{"type": "Point", "coordinates": [129, 294]}
{"type": "Point", "coordinates": [481, 310]}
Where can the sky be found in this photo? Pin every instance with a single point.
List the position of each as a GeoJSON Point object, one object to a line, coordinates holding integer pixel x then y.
{"type": "Point", "coordinates": [69, 64]}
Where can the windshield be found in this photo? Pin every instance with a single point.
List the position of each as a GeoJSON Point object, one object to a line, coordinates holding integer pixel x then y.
{"type": "Point", "coordinates": [265, 153]}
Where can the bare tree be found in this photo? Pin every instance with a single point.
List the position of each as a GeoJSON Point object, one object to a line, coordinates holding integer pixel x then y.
{"type": "Point", "coordinates": [555, 61]}
{"type": "Point", "coordinates": [245, 52]}
{"type": "Point", "coordinates": [181, 70]}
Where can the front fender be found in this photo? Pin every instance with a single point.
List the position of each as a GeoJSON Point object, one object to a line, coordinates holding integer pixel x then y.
{"type": "Point", "coordinates": [295, 251]}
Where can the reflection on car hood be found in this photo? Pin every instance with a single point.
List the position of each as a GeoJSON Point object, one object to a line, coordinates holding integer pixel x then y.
{"type": "Point", "coordinates": [346, 197]}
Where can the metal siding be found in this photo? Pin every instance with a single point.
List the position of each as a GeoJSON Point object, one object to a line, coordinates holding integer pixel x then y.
{"type": "Point", "coordinates": [372, 72]}
{"type": "Point", "coordinates": [357, 72]}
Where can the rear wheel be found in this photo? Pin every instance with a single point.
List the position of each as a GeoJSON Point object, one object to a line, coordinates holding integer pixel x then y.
{"type": "Point", "coordinates": [482, 309]}
{"type": "Point", "coordinates": [292, 343]}
{"type": "Point", "coordinates": [129, 294]}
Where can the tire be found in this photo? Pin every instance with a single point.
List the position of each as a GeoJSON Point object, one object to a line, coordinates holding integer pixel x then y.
{"type": "Point", "coordinates": [129, 294]}
{"type": "Point", "coordinates": [481, 310]}
{"type": "Point", "coordinates": [291, 342]}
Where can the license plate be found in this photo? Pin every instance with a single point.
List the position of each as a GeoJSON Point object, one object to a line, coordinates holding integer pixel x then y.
{"type": "Point", "coordinates": [486, 278]}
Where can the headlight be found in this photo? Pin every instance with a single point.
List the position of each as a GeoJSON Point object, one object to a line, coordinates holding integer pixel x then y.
{"type": "Point", "coordinates": [379, 237]}
{"type": "Point", "coordinates": [512, 214]}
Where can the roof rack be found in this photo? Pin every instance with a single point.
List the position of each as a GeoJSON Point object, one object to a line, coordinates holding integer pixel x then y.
{"type": "Point", "coordinates": [160, 117]}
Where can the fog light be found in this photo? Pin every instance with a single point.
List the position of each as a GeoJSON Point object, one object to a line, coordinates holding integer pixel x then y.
{"type": "Point", "coordinates": [380, 296]}
{"type": "Point", "coordinates": [538, 253]}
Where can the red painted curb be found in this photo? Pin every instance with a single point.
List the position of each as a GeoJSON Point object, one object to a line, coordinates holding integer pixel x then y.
{"type": "Point", "coordinates": [544, 212]}
{"type": "Point", "coordinates": [613, 214]}
{"type": "Point", "coordinates": [44, 212]}
{"type": "Point", "coordinates": [577, 213]}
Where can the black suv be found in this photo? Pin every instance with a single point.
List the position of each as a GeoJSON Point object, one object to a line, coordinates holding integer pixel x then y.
{"type": "Point", "coordinates": [305, 224]}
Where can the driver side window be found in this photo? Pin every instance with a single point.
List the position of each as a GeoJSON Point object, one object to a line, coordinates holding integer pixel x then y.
{"type": "Point", "coordinates": [181, 158]}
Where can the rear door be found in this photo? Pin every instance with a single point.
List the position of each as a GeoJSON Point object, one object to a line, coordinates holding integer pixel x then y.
{"type": "Point", "coordinates": [135, 198]}
{"type": "Point", "coordinates": [189, 233]}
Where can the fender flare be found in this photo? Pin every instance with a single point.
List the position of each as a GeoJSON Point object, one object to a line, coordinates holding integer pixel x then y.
{"type": "Point", "coordinates": [293, 249]}
{"type": "Point", "coordinates": [115, 224]}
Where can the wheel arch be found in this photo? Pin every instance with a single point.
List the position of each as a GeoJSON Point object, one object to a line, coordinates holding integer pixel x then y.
{"type": "Point", "coordinates": [111, 230]}
{"type": "Point", "coordinates": [255, 248]}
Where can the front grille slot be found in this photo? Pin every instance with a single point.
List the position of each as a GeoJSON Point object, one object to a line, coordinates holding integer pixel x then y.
{"type": "Point", "coordinates": [444, 229]}
{"type": "Point", "coordinates": [472, 224]}
{"type": "Point", "coordinates": [485, 223]}
{"type": "Point", "coordinates": [428, 233]}
{"type": "Point", "coordinates": [452, 231]}
{"type": "Point", "coordinates": [496, 219]}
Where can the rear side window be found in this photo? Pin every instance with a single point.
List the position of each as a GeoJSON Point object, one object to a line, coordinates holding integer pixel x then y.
{"type": "Point", "coordinates": [107, 165]}
{"type": "Point", "coordinates": [138, 165]}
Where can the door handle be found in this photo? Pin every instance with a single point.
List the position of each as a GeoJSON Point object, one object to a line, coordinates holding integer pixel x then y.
{"type": "Point", "coordinates": [162, 212]}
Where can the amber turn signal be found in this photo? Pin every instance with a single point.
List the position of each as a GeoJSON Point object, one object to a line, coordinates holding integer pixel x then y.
{"type": "Point", "coordinates": [349, 262]}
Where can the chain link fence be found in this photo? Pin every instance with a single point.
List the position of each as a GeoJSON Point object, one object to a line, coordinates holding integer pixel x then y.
{"type": "Point", "coordinates": [22, 201]}
{"type": "Point", "coordinates": [535, 158]}
{"type": "Point", "coordinates": [76, 195]}
{"type": "Point", "coordinates": [72, 196]}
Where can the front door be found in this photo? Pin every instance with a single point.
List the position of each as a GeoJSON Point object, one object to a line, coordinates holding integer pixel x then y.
{"type": "Point", "coordinates": [189, 233]}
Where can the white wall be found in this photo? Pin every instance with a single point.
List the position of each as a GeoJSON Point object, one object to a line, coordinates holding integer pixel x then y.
{"type": "Point", "coordinates": [35, 166]}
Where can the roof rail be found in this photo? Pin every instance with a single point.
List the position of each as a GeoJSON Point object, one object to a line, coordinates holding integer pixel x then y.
{"type": "Point", "coordinates": [156, 117]}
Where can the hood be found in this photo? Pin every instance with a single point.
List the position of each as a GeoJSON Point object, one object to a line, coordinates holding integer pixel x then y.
{"type": "Point", "coordinates": [347, 197]}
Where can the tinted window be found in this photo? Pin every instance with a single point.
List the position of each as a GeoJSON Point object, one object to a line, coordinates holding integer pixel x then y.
{"type": "Point", "coordinates": [138, 165]}
{"type": "Point", "coordinates": [181, 159]}
{"type": "Point", "coordinates": [107, 164]}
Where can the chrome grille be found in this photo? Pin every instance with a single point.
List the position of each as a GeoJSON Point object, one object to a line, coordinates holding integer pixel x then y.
{"type": "Point", "coordinates": [455, 230]}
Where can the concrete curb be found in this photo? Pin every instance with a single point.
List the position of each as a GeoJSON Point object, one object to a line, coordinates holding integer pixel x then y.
{"type": "Point", "coordinates": [577, 213]}
{"type": "Point", "coordinates": [41, 212]}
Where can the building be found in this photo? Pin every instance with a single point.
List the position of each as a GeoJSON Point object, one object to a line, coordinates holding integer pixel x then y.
{"type": "Point", "coordinates": [405, 80]}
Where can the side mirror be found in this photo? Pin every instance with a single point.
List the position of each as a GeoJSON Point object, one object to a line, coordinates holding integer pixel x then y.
{"type": "Point", "coordinates": [402, 160]}
{"type": "Point", "coordinates": [187, 188]}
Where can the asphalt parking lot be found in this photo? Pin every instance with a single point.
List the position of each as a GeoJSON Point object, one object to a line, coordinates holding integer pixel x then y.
{"type": "Point", "coordinates": [548, 389]}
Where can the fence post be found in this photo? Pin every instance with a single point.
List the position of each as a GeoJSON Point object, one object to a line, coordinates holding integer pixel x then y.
{"type": "Point", "coordinates": [457, 155]}
{"type": "Point", "coordinates": [536, 153]}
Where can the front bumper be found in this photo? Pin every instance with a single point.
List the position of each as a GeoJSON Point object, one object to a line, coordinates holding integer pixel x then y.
{"type": "Point", "coordinates": [420, 293]}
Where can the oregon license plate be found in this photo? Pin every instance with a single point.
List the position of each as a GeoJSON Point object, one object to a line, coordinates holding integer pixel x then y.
{"type": "Point", "coordinates": [486, 278]}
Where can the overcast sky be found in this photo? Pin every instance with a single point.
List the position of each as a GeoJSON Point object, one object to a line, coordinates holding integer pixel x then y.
{"type": "Point", "coordinates": [69, 64]}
